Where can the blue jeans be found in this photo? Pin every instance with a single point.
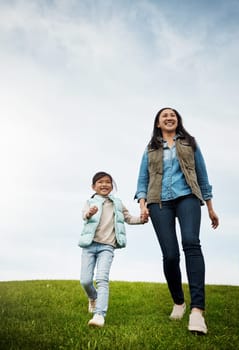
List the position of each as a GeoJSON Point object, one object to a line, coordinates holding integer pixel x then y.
{"type": "Point", "coordinates": [101, 255]}
{"type": "Point", "coordinates": [188, 211]}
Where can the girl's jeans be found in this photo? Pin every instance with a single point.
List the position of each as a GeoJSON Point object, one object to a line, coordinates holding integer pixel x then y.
{"type": "Point", "coordinates": [188, 211]}
{"type": "Point", "coordinates": [101, 255]}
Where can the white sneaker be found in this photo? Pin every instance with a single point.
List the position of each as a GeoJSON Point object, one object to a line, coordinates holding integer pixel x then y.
{"type": "Point", "coordinates": [92, 304]}
{"type": "Point", "coordinates": [97, 321]}
{"type": "Point", "coordinates": [197, 323]}
{"type": "Point", "coordinates": [178, 312]}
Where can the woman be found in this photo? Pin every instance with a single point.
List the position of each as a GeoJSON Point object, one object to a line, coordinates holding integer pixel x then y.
{"type": "Point", "coordinates": [173, 183]}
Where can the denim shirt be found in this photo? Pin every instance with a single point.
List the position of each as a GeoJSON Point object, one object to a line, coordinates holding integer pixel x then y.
{"type": "Point", "coordinates": [174, 184]}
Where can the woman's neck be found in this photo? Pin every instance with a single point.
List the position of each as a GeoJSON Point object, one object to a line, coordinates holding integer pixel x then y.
{"type": "Point", "coordinates": [169, 137]}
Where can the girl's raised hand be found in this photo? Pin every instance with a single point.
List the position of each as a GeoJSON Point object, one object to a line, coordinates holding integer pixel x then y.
{"type": "Point", "coordinates": [92, 211]}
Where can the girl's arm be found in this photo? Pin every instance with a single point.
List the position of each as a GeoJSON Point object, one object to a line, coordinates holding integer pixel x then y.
{"type": "Point", "coordinates": [133, 220]}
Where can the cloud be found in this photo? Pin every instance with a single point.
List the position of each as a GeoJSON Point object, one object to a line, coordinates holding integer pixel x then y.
{"type": "Point", "coordinates": [80, 86]}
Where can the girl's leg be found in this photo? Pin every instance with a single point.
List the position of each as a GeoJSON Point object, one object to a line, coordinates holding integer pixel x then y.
{"type": "Point", "coordinates": [88, 261]}
{"type": "Point", "coordinates": [105, 255]}
{"type": "Point", "coordinates": [189, 215]}
{"type": "Point", "coordinates": [163, 220]}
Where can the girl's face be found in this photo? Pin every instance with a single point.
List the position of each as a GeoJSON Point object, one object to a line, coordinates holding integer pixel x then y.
{"type": "Point", "coordinates": [167, 121]}
{"type": "Point", "coordinates": [103, 186]}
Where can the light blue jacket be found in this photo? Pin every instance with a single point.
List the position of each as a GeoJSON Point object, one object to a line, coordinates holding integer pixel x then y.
{"type": "Point", "coordinates": [90, 226]}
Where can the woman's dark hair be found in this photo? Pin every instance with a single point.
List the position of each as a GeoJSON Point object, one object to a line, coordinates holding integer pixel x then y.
{"type": "Point", "coordinates": [156, 139]}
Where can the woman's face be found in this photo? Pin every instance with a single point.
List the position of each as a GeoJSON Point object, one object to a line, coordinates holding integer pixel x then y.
{"type": "Point", "coordinates": [167, 121]}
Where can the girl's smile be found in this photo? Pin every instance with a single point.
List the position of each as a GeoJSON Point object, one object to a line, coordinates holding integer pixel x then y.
{"type": "Point", "coordinates": [103, 186]}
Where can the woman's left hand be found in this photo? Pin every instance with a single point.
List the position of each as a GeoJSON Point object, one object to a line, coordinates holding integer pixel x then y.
{"type": "Point", "coordinates": [214, 218]}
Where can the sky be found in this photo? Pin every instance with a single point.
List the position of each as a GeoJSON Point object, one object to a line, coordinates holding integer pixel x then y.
{"type": "Point", "coordinates": [81, 83]}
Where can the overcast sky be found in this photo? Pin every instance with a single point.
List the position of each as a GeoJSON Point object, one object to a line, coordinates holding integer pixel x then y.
{"type": "Point", "coordinates": [80, 84]}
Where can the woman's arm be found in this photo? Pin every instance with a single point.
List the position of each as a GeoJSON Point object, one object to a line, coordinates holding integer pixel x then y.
{"type": "Point", "coordinates": [213, 216]}
{"type": "Point", "coordinates": [142, 187]}
{"type": "Point", "coordinates": [205, 187]}
{"type": "Point", "coordinates": [143, 178]}
{"type": "Point", "coordinates": [202, 176]}
{"type": "Point", "coordinates": [144, 212]}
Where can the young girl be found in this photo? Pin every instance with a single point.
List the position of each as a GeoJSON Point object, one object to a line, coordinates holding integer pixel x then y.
{"type": "Point", "coordinates": [103, 231]}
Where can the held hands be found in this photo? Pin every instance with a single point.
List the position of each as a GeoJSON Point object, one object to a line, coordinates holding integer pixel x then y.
{"type": "Point", "coordinates": [91, 211]}
{"type": "Point", "coordinates": [144, 219]}
{"type": "Point", "coordinates": [144, 214]}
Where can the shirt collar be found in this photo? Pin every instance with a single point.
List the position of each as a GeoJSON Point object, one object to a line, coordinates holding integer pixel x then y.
{"type": "Point", "coordinates": [177, 136]}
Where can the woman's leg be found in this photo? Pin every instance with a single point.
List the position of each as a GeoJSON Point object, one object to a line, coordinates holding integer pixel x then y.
{"type": "Point", "coordinates": [189, 216]}
{"type": "Point", "coordinates": [105, 255]}
{"type": "Point", "coordinates": [163, 220]}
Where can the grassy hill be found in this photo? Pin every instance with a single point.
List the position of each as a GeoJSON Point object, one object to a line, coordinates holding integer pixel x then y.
{"type": "Point", "coordinates": [48, 315]}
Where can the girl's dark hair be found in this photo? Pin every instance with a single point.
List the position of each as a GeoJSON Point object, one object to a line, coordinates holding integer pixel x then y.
{"type": "Point", "coordinates": [99, 175]}
{"type": "Point", "coordinates": [156, 139]}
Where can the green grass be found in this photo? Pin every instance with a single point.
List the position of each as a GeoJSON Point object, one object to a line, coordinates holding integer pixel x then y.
{"type": "Point", "coordinates": [51, 314]}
